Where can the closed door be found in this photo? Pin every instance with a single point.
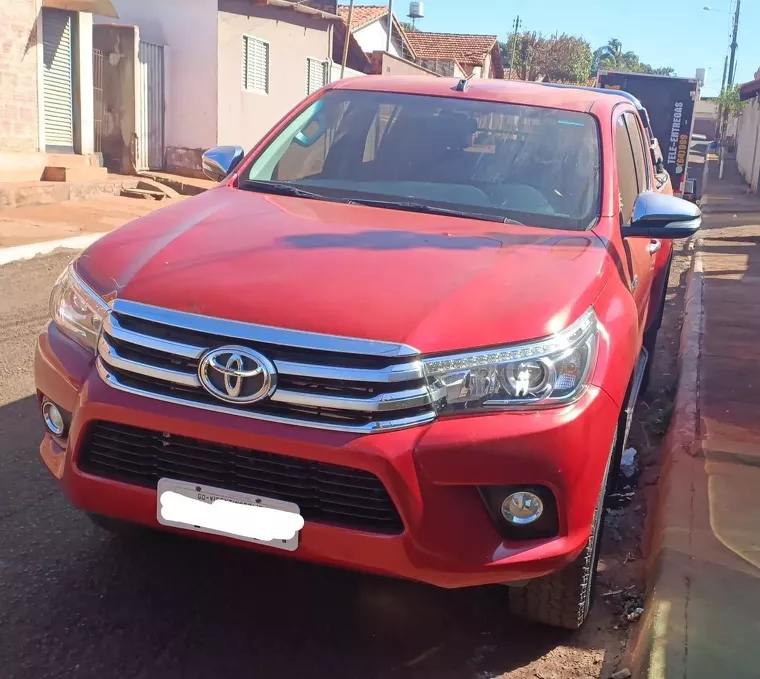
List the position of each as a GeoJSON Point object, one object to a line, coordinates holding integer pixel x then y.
{"type": "Point", "coordinates": [150, 135]}
{"type": "Point", "coordinates": [639, 259]}
{"type": "Point", "coordinates": [58, 79]}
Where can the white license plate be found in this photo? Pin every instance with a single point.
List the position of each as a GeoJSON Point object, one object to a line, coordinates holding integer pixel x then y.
{"type": "Point", "coordinates": [206, 509]}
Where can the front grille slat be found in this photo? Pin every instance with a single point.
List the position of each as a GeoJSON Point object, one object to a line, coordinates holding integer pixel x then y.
{"type": "Point", "coordinates": [325, 492]}
{"type": "Point", "coordinates": [328, 382]}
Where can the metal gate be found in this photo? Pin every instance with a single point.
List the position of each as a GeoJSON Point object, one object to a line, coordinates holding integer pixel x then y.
{"type": "Point", "coordinates": [150, 92]}
{"type": "Point", "coordinates": [58, 79]}
{"type": "Point", "coordinates": [98, 109]}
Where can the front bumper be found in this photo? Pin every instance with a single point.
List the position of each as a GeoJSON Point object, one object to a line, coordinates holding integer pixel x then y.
{"type": "Point", "coordinates": [432, 473]}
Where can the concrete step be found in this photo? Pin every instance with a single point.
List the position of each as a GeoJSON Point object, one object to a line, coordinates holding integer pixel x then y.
{"type": "Point", "coordinates": [29, 166]}
{"type": "Point", "coordinates": [19, 194]}
{"type": "Point", "coordinates": [73, 160]}
{"type": "Point", "coordinates": [184, 186]}
{"type": "Point", "coordinates": [83, 173]}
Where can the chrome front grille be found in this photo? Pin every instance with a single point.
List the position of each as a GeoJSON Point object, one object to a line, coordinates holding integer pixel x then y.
{"type": "Point", "coordinates": [323, 381]}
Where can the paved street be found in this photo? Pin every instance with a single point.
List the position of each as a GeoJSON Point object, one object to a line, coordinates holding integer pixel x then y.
{"type": "Point", "coordinates": [75, 602]}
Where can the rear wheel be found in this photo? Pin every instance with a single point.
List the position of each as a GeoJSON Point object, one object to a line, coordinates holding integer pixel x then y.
{"type": "Point", "coordinates": [563, 599]}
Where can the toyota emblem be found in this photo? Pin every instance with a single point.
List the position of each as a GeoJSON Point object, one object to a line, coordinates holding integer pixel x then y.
{"type": "Point", "coordinates": [237, 374]}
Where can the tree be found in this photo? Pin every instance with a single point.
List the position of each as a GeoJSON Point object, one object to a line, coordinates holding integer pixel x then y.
{"type": "Point", "coordinates": [730, 102]}
{"type": "Point", "coordinates": [562, 58]}
{"type": "Point", "coordinates": [611, 57]}
{"type": "Point", "coordinates": [409, 27]}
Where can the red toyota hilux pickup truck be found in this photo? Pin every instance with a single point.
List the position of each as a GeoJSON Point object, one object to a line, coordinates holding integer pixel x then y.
{"type": "Point", "coordinates": [403, 335]}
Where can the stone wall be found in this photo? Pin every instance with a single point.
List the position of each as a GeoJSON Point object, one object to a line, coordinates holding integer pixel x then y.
{"type": "Point", "coordinates": [19, 124]}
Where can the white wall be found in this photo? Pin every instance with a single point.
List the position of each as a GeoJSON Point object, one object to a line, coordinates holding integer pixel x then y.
{"type": "Point", "coordinates": [335, 70]}
{"type": "Point", "coordinates": [374, 37]}
{"type": "Point", "coordinates": [748, 143]}
{"type": "Point", "coordinates": [188, 29]}
{"type": "Point", "coordinates": [84, 135]}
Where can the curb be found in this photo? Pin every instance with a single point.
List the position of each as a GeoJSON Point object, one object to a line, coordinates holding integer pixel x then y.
{"type": "Point", "coordinates": [22, 252]}
{"type": "Point", "coordinates": [661, 645]}
{"type": "Point", "coordinates": [181, 187]}
{"type": "Point", "coordinates": [49, 193]}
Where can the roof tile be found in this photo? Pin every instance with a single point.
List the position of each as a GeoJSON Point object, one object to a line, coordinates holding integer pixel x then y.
{"type": "Point", "coordinates": [466, 49]}
{"type": "Point", "coordinates": [363, 15]}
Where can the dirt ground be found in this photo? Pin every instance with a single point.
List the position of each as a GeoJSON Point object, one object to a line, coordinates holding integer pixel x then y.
{"type": "Point", "coordinates": [100, 214]}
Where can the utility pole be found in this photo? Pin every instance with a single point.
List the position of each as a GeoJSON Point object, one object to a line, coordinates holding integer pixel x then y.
{"type": "Point", "coordinates": [514, 46]}
{"type": "Point", "coordinates": [390, 26]}
{"type": "Point", "coordinates": [731, 76]}
{"type": "Point", "coordinates": [722, 90]}
{"type": "Point", "coordinates": [734, 45]}
{"type": "Point", "coordinates": [347, 40]}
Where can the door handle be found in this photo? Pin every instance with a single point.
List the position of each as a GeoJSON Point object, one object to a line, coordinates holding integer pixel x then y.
{"type": "Point", "coordinates": [654, 246]}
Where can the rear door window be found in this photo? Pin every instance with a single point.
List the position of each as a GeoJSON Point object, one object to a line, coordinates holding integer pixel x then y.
{"type": "Point", "coordinates": [640, 152]}
{"type": "Point", "coordinates": [626, 170]}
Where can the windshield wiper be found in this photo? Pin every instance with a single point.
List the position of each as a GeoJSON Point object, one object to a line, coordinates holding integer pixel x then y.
{"type": "Point", "coordinates": [411, 206]}
{"type": "Point", "coordinates": [281, 189]}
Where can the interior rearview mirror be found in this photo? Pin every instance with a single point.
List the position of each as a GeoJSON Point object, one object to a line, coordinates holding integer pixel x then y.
{"type": "Point", "coordinates": [219, 161]}
{"type": "Point", "coordinates": [657, 215]}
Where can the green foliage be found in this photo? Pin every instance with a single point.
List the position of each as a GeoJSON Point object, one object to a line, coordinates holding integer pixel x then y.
{"type": "Point", "coordinates": [730, 102]}
{"type": "Point", "coordinates": [409, 27]}
{"type": "Point", "coordinates": [564, 58]}
{"type": "Point", "coordinates": [611, 57]}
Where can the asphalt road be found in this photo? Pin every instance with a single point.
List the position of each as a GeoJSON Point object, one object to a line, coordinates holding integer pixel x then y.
{"type": "Point", "coordinates": [77, 602]}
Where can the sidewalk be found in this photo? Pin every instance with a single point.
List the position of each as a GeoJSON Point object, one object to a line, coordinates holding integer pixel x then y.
{"type": "Point", "coordinates": [33, 230]}
{"type": "Point", "coordinates": [703, 612]}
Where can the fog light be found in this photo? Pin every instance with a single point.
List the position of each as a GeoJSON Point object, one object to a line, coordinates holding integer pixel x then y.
{"type": "Point", "coordinates": [522, 507]}
{"type": "Point", "coordinates": [53, 418]}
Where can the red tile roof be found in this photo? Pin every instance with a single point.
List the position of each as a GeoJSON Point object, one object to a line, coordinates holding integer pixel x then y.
{"type": "Point", "coordinates": [363, 15]}
{"type": "Point", "coordinates": [466, 49]}
{"type": "Point", "coordinates": [749, 90]}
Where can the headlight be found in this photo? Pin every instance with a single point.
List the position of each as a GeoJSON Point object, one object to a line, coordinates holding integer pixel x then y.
{"type": "Point", "coordinates": [550, 371]}
{"type": "Point", "coordinates": [76, 309]}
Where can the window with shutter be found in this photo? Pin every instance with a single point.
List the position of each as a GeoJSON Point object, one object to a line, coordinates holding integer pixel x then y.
{"type": "Point", "coordinates": [58, 79]}
{"type": "Point", "coordinates": [255, 65]}
{"type": "Point", "coordinates": [316, 74]}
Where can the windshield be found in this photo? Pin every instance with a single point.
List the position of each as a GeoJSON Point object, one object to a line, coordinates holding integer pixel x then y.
{"type": "Point", "coordinates": [538, 166]}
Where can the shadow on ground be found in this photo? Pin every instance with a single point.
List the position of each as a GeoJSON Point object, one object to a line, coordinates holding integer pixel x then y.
{"type": "Point", "coordinates": [76, 601]}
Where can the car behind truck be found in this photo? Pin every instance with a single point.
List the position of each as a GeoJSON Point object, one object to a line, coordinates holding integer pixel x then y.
{"type": "Point", "coordinates": [379, 343]}
{"type": "Point", "coordinates": [670, 102]}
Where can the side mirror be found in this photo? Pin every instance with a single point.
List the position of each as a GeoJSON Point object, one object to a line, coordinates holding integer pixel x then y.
{"type": "Point", "coordinates": [656, 215]}
{"type": "Point", "coordinates": [219, 161]}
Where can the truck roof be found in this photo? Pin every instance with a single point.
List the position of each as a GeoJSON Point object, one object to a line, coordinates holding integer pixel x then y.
{"type": "Point", "coordinates": [649, 75]}
{"type": "Point", "coordinates": [567, 98]}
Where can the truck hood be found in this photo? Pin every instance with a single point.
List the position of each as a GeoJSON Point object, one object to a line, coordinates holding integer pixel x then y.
{"type": "Point", "coordinates": [436, 283]}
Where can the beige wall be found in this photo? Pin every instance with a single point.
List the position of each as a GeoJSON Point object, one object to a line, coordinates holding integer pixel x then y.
{"type": "Point", "coordinates": [19, 121]}
{"type": "Point", "coordinates": [245, 117]}
{"type": "Point", "coordinates": [748, 143]}
{"type": "Point", "coordinates": [388, 64]}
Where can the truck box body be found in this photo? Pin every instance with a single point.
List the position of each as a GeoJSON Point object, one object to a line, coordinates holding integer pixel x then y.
{"type": "Point", "coordinates": [670, 103]}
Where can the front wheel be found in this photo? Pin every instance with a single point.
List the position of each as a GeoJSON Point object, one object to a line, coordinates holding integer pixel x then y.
{"type": "Point", "coordinates": [564, 599]}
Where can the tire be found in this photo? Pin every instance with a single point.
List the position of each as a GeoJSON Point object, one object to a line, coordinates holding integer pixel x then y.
{"type": "Point", "coordinates": [650, 336]}
{"type": "Point", "coordinates": [650, 344]}
{"type": "Point", "coordinates": [564, 599]}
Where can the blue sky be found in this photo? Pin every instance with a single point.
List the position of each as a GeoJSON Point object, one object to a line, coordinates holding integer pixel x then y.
{"type": "Point", "coordinates": [678, 34]}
